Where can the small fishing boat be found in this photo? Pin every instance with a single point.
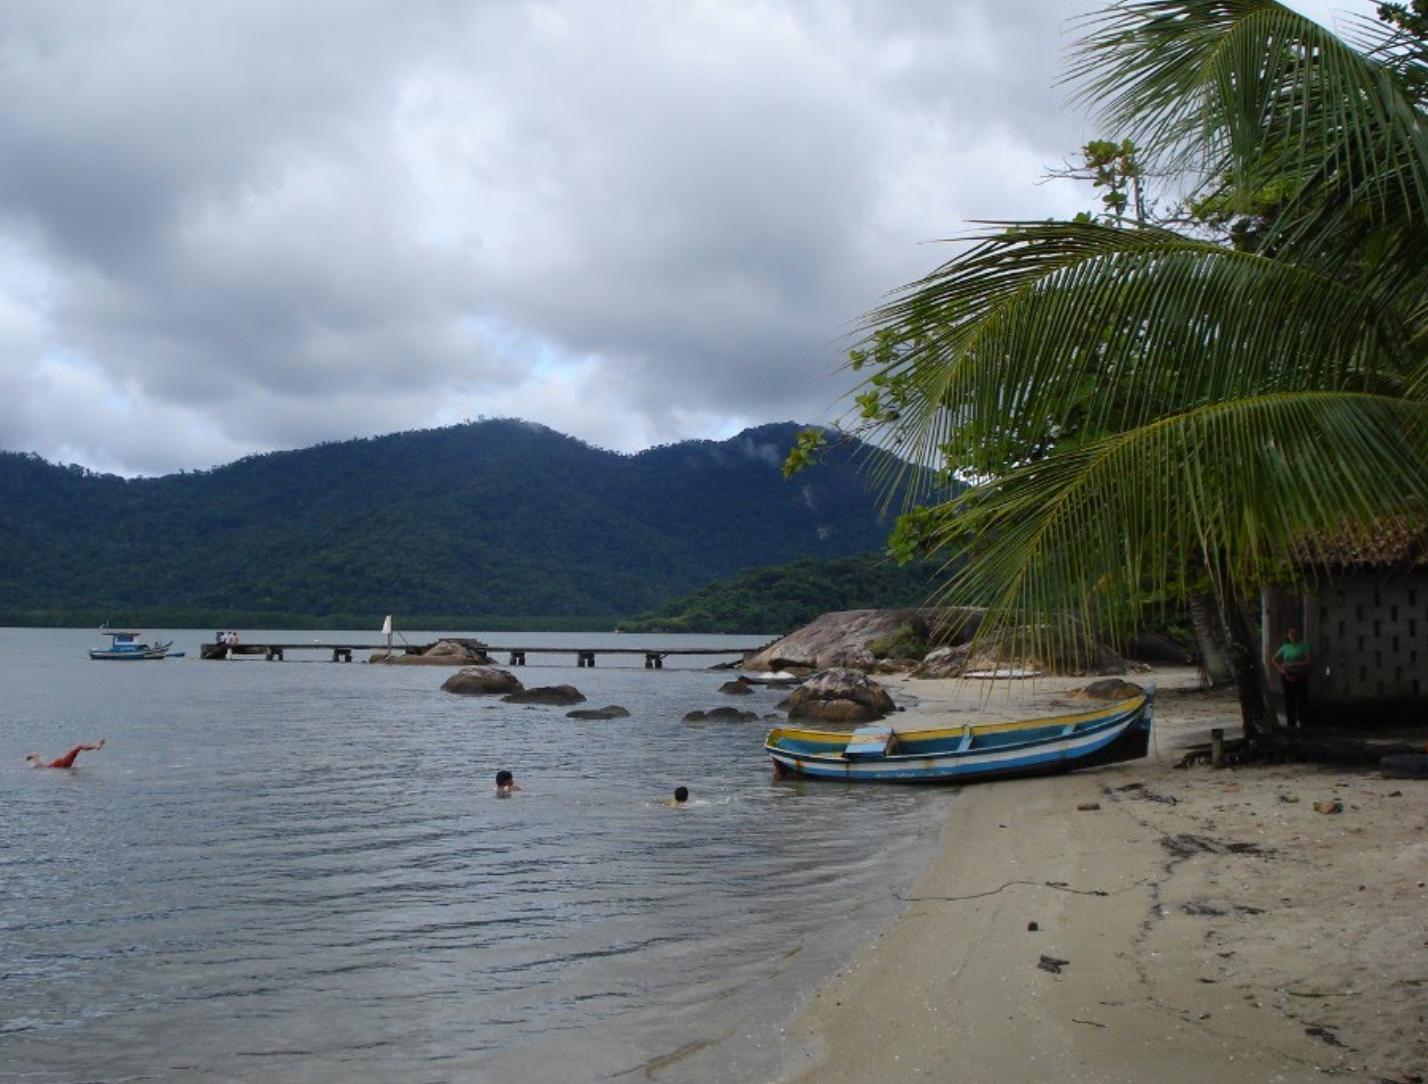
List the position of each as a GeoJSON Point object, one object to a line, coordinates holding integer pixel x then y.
{"type": "Point", "coordinates": [964, 754]}
{"type": "Point", "coordinates": [124, 645]}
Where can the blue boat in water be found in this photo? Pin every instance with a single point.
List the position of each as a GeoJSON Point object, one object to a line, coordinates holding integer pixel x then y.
{"type": "Point", "coordinates": [124, 646]}
{"type": "Point", "coordinates": [968, 753]}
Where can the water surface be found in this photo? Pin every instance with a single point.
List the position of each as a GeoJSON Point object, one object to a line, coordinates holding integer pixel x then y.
{"type": "Point", "coordinates": [298, 871]}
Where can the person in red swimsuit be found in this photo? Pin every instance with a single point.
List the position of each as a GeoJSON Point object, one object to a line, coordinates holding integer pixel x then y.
{"type": "Point", "coordinates": [66, 761]}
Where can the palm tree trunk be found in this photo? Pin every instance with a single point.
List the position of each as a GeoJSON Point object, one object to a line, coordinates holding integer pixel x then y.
{"type": "Point", "coordinates": [1256, 709]}
{"type": "Point", "coordinates": [1210, 639]}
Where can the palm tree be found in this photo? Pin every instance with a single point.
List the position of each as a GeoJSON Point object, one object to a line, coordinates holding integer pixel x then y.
{"type": "Point", "coordinates": [1146, 410]}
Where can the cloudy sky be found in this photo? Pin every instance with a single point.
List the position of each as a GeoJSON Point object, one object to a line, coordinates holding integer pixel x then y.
{"type": "Point", "coordinates": [230, 227]}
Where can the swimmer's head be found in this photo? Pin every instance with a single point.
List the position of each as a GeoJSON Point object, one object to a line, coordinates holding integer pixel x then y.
{"type": "Point", "coordinates": [33, 759]}
{"type": "Point", "coordinates": [681, 794]}
{"type": "Point", "coordinates": [504, 779]}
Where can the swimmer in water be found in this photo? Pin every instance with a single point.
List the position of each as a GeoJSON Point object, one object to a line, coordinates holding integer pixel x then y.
{"type": "Point", "coordinates": [505, 784]}
{"type": "Point", "coordinates": [66, 761]}
{"type": "Point", "coordinates": [680, 799]}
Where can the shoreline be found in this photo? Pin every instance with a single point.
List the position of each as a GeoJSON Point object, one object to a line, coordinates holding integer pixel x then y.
{"type": "Point", "coordinates": [1213, 923]}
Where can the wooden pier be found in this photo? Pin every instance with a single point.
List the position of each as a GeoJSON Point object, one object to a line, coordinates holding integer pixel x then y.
{"type": "Point", "coordinates": [516, 656]}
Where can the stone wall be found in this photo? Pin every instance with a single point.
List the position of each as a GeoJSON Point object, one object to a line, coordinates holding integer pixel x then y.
{"type": "Point", "coordinates": [1368, 632]}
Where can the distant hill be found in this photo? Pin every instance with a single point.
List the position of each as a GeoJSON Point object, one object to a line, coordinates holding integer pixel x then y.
{"type": "Point", "coordinates": [781, 598]}
{"type": "Point", "coordinates": [499, 520]}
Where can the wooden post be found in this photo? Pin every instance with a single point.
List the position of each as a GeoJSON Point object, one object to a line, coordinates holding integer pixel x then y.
{"type": "Point", "coordinates": [1217, 747]}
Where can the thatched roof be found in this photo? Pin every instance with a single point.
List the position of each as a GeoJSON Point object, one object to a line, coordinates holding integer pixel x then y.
{"type": "Point", "coordinates": [1390, 542]}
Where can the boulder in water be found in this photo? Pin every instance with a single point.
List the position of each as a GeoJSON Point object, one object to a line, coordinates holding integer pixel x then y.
{"type": "Point", "coordinates": [609, 711]}
{"type": "Point", "coordinates": [721, 715]}
{"type": "Point", "coordinates": [547, 694]}
{"type": "Point", "coordinates": [482, 681]}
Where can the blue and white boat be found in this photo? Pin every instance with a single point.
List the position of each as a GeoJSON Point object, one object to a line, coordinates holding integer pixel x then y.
{"type": "Point", "coordinates": [124, 645]}
{"type": "Point", "coordinates": [968, 753]}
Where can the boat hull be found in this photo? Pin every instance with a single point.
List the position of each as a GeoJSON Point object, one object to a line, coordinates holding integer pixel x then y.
{"type": "Point", "coordinates": [128, 656]}
{"type": "Point", "coordinates": [972, 753]}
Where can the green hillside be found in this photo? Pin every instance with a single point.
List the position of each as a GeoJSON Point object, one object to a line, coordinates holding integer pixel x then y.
{"type": "Point", "coordinates": [781, 598]}
{"type": "Point", "coordinates": [492, 520]}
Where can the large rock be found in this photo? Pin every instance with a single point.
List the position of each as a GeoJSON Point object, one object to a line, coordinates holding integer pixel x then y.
{"type": "Point", "coordinates": [840, 695]}
{"type": "Point", "coordinates": [736, 688]}
{"type": "Point", "coordinates": [482, 681]}
{"type": "Point", "coordinates": [547, 694]}
{"type": "Point", "coordinates": [842, 639]}
{"type": "Point", "coordinates": [943, 662]}
{"type": "Point", "coordinates": [1155, 647]}
{"type": "Point", "coordinates": [440, 653]}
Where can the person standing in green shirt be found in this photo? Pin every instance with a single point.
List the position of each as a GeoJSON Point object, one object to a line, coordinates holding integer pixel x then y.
{"type": "Point", "coordinates": [1292, 662]}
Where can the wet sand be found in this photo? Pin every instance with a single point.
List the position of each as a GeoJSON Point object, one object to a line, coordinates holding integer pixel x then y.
{"type": "Point", "coordinates": [1214, 925]}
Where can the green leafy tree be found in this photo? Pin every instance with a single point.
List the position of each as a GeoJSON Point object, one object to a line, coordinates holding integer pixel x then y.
{"type": "Point", "coordinates": [1147, 410]}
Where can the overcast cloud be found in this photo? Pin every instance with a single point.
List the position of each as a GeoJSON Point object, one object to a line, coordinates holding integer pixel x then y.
{"type": "Point", "coordinates": [229, 227]}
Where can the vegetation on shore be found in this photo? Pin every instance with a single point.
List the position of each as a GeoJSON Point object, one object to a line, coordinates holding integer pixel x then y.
{"type": "Point", "coordinates": [1186, 403]}
{"type": "Point", "coordinates": [780, 598]}
{"type": "Point", "coordinates": [487, 519]}
{"type": "Point", "coordinates": [178, 617]}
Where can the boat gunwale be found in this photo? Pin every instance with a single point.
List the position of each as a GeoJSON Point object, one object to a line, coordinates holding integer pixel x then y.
{"type": "Point", "coordinates": [1110, 713]}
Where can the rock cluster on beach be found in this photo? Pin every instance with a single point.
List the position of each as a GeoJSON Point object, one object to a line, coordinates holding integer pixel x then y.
{"type": "Point", "coordinates": [840, 695]}
{"type": "Point", "coordinates": [892, 641]}
{"type": "Point", "coordinates": [841, 638]}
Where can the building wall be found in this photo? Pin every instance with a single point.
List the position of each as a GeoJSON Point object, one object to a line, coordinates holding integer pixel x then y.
{"type": "Point", "coordinates": [1368, 638]}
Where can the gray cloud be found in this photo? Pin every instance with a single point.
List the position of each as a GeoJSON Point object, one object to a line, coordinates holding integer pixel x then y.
{"type": "Point", "coordinates": [235, 226]}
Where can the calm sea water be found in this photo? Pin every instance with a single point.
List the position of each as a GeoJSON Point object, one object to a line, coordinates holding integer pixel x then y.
{"type": "Point", "coordinates": [298, 871]}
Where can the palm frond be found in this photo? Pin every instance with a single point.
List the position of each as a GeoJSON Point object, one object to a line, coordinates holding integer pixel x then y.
{"type": "Point", "coordinates": [1263, 479]}
{"type": "Point", "coordinates": [1252, 91]}
{"type": "Point", "coordinates": [1042, 327]}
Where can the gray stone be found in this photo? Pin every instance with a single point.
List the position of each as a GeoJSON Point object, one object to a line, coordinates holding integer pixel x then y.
{"type": "Point", "coordinates": [482, 681]}
{"type": "Point", "coordinates": [841, 639]}
{"type": "Point", "coordinates": [1109, 689]}
{"type": "Point", "coordinates": [440, 653]}
{"type": "Point", "coordinates": [610, 711]}
{"type": "Point", "coordinates": [1153, 647]}
{"type": "Point", "coordinates": [722, 715]}
{"type": "Point", "coordinates": [840, 695]}
{"type": "Point", "coordinates": [547, 694]}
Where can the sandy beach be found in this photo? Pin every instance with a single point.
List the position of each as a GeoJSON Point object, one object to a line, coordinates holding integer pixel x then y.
{"type": "Point", "coordinates": [1213, 925]}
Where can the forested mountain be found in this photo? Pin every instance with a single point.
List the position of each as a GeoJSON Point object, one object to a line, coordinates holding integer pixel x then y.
{"type": "Point", "coordinates": [491, 519]}
{"type": "Point", "coordinates": [780, 598]}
